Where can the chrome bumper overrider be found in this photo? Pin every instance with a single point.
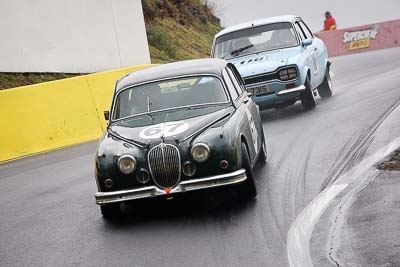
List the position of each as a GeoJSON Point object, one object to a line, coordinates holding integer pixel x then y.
{"type": "Point", "coordinates": [185, 186]}
{"type": "Point", "coordinates": [296, 89]}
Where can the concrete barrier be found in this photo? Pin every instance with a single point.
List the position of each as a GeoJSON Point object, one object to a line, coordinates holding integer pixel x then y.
{"type": "Point", "coordinates": [71, 36]}
{"type": "Point", "coordinates": [362, 38]}
{"type": "Point", "coordinates": [46, 116]}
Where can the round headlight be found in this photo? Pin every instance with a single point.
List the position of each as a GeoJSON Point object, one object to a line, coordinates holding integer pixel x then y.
{"type": "Point", "coordinates": [127, 164]}
{"type": "Point", "coordinates": [200, 152]}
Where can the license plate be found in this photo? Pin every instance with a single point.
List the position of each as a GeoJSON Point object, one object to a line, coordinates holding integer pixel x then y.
{"type": "Point", "coordinates": [258, 90]}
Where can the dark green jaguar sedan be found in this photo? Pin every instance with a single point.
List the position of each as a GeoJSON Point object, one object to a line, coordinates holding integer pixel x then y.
{"type": "Point", "coordinates": [176, 128]}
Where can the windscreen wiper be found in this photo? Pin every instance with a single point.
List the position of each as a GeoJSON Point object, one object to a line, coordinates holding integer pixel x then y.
{"type": "Point", "coordinates": [149, 106]}
{"type": "Point", "coordinates": [239, 50]}
{"type": "Point", "coordinates": [128, 140]}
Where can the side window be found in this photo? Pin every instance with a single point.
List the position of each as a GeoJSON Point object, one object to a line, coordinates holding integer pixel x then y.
{"type": "Point", "coordinates": [300, 31]}
{"type": "Point", "coordinates": [235, 81]}
{"type": "Point", "coordinates": [306, 30]}
{"type": "Point", "coordinates": [231, 88]}
{"type": "Point", "coordinates": [239, 79]}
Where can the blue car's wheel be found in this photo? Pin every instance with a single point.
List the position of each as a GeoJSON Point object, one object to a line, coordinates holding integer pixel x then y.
{"type": "Point", "coordinates": [307, 96]}
{"type": "Point", "coordinates": [325, 89]}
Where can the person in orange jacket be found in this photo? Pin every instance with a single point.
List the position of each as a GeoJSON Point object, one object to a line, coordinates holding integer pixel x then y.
{"type": "Point", "coordinates": [329, 23]}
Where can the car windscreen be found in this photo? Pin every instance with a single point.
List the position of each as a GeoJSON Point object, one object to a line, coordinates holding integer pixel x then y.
{"type": "Point", "coordinates": [167, 94]}
{"type": "Point", "coordinates": [255, 39]}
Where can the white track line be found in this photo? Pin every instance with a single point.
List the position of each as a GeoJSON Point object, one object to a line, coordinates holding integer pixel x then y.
{"type": "Point", "coordinates": [299, 235]}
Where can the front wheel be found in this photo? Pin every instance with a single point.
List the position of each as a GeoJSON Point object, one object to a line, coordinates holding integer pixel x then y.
{"type": "Point", "coordinates": [263, 151]}
{"type": "Point", "coordinates": [307, 96]}
{"type": "Point", "coordinates": [325, 89]}
{"type": "Point", "coordinates": [247, 189]}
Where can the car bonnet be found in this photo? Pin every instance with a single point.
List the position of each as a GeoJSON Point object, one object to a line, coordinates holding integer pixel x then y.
{"type": "Point", "coordinates": [264, 62]}
{"type": "Point", "coordinates": [147, 130]}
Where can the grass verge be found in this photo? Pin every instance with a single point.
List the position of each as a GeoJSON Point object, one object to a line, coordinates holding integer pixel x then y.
{"type": "Point", "coordinates": [392, 164]}
{"type": "Point", "coordinates": [11, 80]}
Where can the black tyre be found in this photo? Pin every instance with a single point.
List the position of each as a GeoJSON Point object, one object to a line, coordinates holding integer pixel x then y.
{"type": "Point", "coordinates": [247, 189]}
{"type": "Point", "coordinates": [111, 211]}
{"type": "Point", "coordinates": [307, 96]}
{"type": "Point", "coordinates": [325, 89]}
{"type": "Point", "coordinates": [263, 151]}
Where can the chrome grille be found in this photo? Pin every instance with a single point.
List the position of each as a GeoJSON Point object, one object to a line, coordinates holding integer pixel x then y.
{"type": "Point", "coordinates": [165, 165]}
{"type": "Point", "coordinates": [261, 78]}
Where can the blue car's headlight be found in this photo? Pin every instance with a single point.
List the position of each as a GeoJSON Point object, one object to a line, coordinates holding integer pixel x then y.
{"type": "Point", "coordinates": [288, 74]}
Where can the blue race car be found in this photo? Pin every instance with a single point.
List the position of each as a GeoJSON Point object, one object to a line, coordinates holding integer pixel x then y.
{"type": "Point", "coordinates": [280, 60]}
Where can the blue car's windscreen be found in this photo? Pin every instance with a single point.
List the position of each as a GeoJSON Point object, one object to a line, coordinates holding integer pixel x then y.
{"type": "Point", "coordinates": [167, 94]}
{"type": "Point", "coordinates": [254, 40]}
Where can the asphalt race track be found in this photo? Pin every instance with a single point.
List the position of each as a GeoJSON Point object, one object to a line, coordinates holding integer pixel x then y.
{"type": "Point", "coordinates": [49, 217]}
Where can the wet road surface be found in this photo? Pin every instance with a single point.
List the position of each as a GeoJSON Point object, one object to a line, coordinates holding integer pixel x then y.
{"type": "Point", "coordinates": [48, 215]}
{"type": "Point", "coordinates": [369, 232]}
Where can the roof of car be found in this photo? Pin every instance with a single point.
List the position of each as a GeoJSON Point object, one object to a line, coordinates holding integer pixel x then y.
{"type": "Point", "coordinates": [170, 70]}
{"type": "Point", "coordinates": [286, 18]}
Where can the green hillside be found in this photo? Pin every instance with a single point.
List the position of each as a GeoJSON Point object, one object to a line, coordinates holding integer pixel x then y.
{"type": "Point", "coordinates": [179, 29]}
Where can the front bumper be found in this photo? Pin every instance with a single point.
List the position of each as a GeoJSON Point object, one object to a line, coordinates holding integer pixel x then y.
{"type": "Point", "coordinates": [292, 90]}
{"type": "Point", "coordinates": [235, 177]}
{"type": "Point", "coordinates": [280, 95]}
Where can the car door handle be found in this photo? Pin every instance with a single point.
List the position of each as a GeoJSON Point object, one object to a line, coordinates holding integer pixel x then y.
{"type": "Point", "coordinates": [245, 100]}
{"type": "Point", "coordinates": [315, 49]}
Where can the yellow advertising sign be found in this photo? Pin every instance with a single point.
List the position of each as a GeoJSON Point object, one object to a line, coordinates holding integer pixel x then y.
{"type": "Point", "coordinates": [359, 44]}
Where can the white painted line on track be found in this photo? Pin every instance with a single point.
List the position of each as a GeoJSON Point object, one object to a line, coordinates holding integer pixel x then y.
{"type": "Point", "coordinates": [299, 235]}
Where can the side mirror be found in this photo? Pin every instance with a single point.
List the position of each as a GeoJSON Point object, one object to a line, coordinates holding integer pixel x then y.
{"type": "Point", "coordinates": [106, 115]}
{"type": "Point", "coordinates": [307, 42]}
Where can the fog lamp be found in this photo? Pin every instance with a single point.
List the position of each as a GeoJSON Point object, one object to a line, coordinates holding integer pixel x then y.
{"type": "Point", "coordinates": [143, 176]}
{"type": "Point", "coordinates": [188, 169]}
